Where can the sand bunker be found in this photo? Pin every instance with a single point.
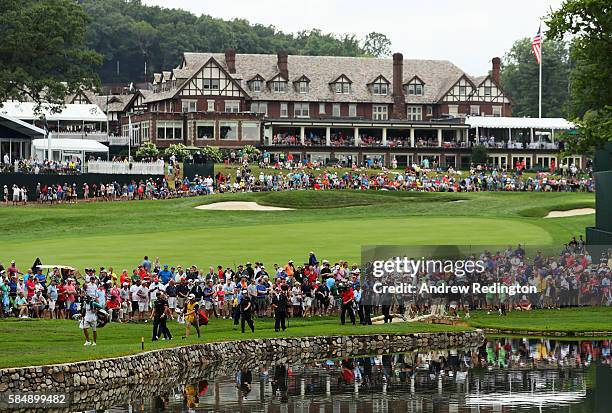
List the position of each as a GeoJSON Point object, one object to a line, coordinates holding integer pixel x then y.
{"type": "Point", "coordinates": [240, 206]}
{"type": "Point", "coordinates": [570, 213]}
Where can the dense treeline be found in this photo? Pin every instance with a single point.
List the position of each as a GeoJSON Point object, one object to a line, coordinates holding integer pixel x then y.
{"type": "Point", "coordinates": [131, 34]}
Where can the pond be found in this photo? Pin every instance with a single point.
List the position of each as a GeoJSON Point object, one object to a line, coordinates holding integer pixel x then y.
{"type": "Point", "coordinates": [503, 375]}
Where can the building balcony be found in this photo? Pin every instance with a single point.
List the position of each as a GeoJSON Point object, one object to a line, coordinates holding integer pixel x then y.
{"type": "Point", "coordinates": [94, 135]}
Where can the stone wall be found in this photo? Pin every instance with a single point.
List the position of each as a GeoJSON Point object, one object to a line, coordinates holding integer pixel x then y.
{"type": "Point", "coordinates": [113, 377]}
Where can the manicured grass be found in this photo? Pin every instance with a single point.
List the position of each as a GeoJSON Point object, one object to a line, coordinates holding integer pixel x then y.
{"type": "Point", "coordinates": [39, 342]}
{"type": "Point", "coordinates": [569, 320]}
{"type": "Point", "coordinates": [335, 224]}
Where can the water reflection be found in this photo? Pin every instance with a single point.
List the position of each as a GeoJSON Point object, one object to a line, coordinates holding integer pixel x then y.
{"type": "Point", "coordinates": [503, 375]}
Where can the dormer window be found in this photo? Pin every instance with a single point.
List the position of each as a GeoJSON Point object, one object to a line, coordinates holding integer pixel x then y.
{"type": "Point", "coordinates": [256, 84]}
{"type": "Point", "coordinates": [380, 86]}
{"type": "Point", "coordinates": [416, 87]}
{"type": "Point", "coordinates": [278, 84]}
{"type": "Point", "coordinates": [302, 84]}
{"type": "Point", "coordinates": [342, 85]}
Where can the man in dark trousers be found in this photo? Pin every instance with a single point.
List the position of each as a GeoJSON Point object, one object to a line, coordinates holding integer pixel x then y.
{"type": "Point", "coordinates": [246, 311]}
{"type": "Point", "coordinates": [160, 314]}
{"type": "Point", "coordinates": [348, 297]}
{"type": "Point", "coordinates": [279, 304]}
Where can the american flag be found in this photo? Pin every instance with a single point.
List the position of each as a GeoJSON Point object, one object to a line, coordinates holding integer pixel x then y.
{"type": "Point", "coordinates": [536, 46]}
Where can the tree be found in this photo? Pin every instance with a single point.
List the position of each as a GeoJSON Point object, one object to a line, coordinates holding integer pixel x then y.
{"type": "Point", "coordinates": [519, 77]}
{"type": "Point", "coordinates": [179, 150]}
{"type": "Point", "coordinates": [129, 33]}
{"type": "Point", "coordinates": [211, 153]}
{"type": "Point", "coordinates": [377, 45]}
{"type": "Point", "coordinates": [589, 24]}
{"type": "Point", "coordinates": [480, 155]}
{"type": "Point", "coordinates": [147, 150]}
{"type": "Point", "coordinates": [43, 51]}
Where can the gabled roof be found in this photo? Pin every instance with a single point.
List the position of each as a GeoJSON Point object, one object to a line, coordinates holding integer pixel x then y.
{"type": "Point", "coordinates": [452, 85]}
{"type": "Point", "coordinates": [415, 77]}
{"type": "Point", "coordinates": [192, 67]}
{"type": "Point", "coordinates": [20, 126]}
{"type": "Point", "coordinates": [276, 78]}
{"type": "Point", "coordinates": [335, 80]}
{"type": "Point", "coordinates": [302, 78]}
{"type": "Point", "coordinates": [438, 75]}
{"type": "Point", "coordinates": [256, 77]}
{"type": "Point", "coordinates": [378, 78]}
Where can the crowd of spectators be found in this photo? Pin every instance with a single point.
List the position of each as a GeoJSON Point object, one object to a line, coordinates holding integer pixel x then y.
{"type": "Point", "coordinates": [314, 288]}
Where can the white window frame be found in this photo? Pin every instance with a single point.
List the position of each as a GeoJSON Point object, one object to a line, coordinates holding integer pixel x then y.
{"type": "Point", "coordinates": [259, 107]}
{"type": "Point", "coordinates": [210, 84]}
{"type": "Point", "coordinates": [414, 112]}
{"type": "Point", "coordinates": [169, 125]}
{"type": "Point", "coordinates": [188, 105]}
{"type": "Point", "coordinates": [301, 110]}
{"type": "Point", "coordinates": [380, 112]}
{"type": "Point", "coordinates": [279, 86]}
{"type": "Point", "coordinates": [429, 110]}
{"type": "Point", "coordinates": [210, 105]}
{"type": "Point", "coordinates": [490, 91]}
{"type": "Point", "coordinates": [321, 108]}
{"type": "Point", "coordinates": [284, 110]}
{"type": "Point", "coordinates": [247, 125]}
{"type": "Point", "coordinates": [498, 109]}
{"type": "Point", "coordinates": [336, 110]}
{"type": "Point", "coordinates": [380, 88]}
{"type": "Point", "coordinates": [342, 86]}
{"type": "Point", "coordinates": [256, 85]}
{"type": "Point", "coordinates": [352, 110]}
{"type": "Point", "coordinates": [231, 106]}
{"type": "Point", "coordinates": [302, 86]}
{"type": "Point", "coordinates": [474, 112]}
{"type": "Point", "coordinates": [209, 124]}
{"type": "Point", "coordinates": [453, 110]}
{"type": "Point", "coordinates": [225, 124]}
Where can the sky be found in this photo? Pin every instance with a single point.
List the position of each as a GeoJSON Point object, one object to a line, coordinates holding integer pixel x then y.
{"type": "Point", "coordinates": [469, 33]}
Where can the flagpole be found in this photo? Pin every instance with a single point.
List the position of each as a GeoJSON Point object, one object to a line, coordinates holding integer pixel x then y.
{"type": "Point", "coordinates": [540, 85]}
{"type": "Point", "coordinates": [129, 138]}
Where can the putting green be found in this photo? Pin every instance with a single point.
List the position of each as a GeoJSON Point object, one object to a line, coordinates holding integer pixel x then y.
{"type": "Point", "coordinates": [272, 243]}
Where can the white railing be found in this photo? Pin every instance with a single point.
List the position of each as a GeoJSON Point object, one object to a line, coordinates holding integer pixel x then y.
{"type": "Point", "coordinates": [96, 136]}
{"type": "Point", "coordinates": [135, 168]}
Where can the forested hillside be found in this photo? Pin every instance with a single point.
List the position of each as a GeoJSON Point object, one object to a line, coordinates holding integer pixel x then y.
{"type": "Point", "coordinates": [131, 33]}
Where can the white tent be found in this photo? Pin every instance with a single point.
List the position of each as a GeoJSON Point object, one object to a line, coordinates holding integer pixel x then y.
{"type": "Point", "coordinates": [70, 111]}
{"type": "Point", "coordinates": [518, 123]}
{"type": "Point", "coordinates": [65, 149]}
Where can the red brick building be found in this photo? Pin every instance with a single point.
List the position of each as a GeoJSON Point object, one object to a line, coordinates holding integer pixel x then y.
{"type": "Point", "coordinates": [320, 107]}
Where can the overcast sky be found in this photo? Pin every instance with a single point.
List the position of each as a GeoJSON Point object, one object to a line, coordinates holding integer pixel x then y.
{"type": "Point", "coordinates": [467, 32]}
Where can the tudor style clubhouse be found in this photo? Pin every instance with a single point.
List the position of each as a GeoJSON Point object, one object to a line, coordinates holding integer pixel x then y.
{"type": "Point", "coordinates": [319, 108]}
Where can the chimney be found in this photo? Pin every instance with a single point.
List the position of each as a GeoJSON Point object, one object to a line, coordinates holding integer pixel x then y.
{"type": "Point", "coordinates": [399, 102]}
{"type": "Point", "coordinates": [283, 66]}
{"type": "Point", "coordinates": [230, 60]}
{"type": "Point", "coordinates": [495, 70]}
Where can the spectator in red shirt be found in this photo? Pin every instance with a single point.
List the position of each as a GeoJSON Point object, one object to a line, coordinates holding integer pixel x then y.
{"type": "Point", "coordinates": [348, 298]}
